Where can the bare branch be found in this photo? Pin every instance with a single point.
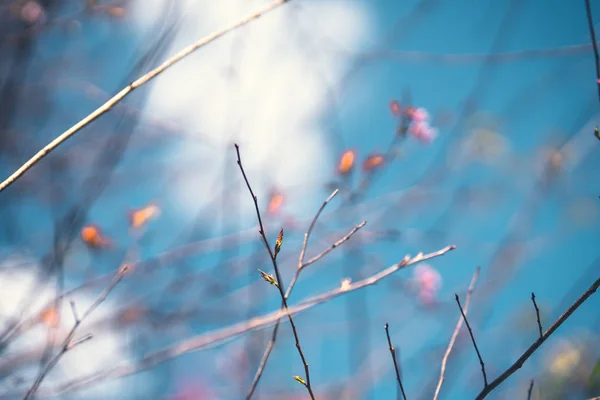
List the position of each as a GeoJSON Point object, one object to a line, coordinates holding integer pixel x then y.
{"type": "Point", "coordinates": [473, 340]}
{"type": "Point", "coordinates": [214, 338]}
{"type": "Point", "coordinates": [455, 334]}
{"type": "Point", "coordinates": [104, 108]}
{"type": "Point", "coordinates": [279, 285]}
{"type": "Point", "coordinates": [393, 353]}
{"type": "Point", "coordinates": [525, 356]}
{"type": "Point", "coordinates": [530, 391]}
{"type": "Point", "coordinates": [537, 313]}
{"type": "Point", "coordinates": [68, 343]}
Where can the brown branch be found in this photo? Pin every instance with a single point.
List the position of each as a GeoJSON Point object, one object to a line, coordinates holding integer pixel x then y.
{"type": "Point", "coordinates": [214, 338]}
{"type": "Point", "coordinates": [485, 383]}
{"type": "Point", "coordinates": [393, 353]}
{"type": "Point", "coordinates": [277, 274]}
{"type": "Point", "coordinates": [68, 343]}
{"type": "Point", "coordinates": [455, 334]}
{"type": "Point", "coordinates": [530, 391]}
{"type": "Point", "coordinates": [525, 356]}
{"type": "Point", "coordinates": [537, 313]}
{"type": "Point", "coordinates": [104, 108]}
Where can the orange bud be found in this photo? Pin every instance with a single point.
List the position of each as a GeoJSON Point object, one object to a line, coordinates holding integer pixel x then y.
{"type": "Point", "coordinates": [93, 237]}
{"type": "Point", "coordinates": [116, 12]}
{"type": "Point", "coordinates": [410, 111]}
{"type": "Point", "coordinates": [275, 203]}
{"type": "Point", "coordinates": [395, 107]}
{"type": "Point", "coordinates": [50, 317]}
{"type": "Point", "coordinates": [373, 161]}
{"type": "Point", "coordinates": [140, 217]}
{"type": "Point", "coordinates": [346, 162]}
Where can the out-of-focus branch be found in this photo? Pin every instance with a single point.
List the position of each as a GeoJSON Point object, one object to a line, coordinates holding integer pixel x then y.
{"type": "Point", "coordinates": [525, 356]}
{"type": "Point", "coordinates": [214, 338]}
{"type": "Point", "coordinates": [530, 390]}
{"type": "Point", "coordinates": [104, 108]}
{"type": "Point", "coordinates": [68, 343]}
{"type": "Point", "coordinates": [393, 353]}
{"type": "Point", "coordinates": [279, 282]}
{"type": "Point", "coordinates": [455, 334]}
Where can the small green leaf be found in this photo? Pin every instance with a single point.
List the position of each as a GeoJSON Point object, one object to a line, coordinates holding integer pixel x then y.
{"type": "Point", "coordinates": [299, 379]}
{"type": "Point", "coordinates": [279, 242]}
{"type": "Point", "coordinates": [268, 278]}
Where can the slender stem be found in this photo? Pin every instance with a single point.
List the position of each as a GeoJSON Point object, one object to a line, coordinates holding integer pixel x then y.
{"type": "Point", "coordinates": [590, 22]}
{"type": "Point", "coordinates": [530, 391]}
{"type": "Point", "coordinates": [535, 345]}
{"type": "Point", "coordinates": [459, 325]}
{"type": "Point", "coordinates": [537, 313]}
{"type": "Point", "coordinates": [485, 383]}
{"type": "Point", "coordinates": [68, 343]}
{"type": "Point", "coordinates": [104, 108]}
{"type": "Point", "coordinates": [277, 274]}
{"type": "Point", "coordinates": [393, 353]}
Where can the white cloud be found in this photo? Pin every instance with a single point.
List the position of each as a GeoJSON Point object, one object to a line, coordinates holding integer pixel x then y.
{"type": "Point", "coordinates": [284, 65]}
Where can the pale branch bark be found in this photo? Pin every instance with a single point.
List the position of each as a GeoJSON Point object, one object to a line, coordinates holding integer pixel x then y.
{"type": "Point", "coordinates": [218, 337]}
{"type": "Point", "coordinates": [69, 343]}
{"type": "Point", "coordinates": [535, 345]}
{"type": "Point", "coordinates": [104, 108]}
{"type": "Point", "coordinates": [455, 334]}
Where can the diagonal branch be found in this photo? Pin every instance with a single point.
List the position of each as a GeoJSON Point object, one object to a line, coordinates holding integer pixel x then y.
{"type": "Point", "coordinates": [455, 334]}
{"type": "Point", "coordinates": [68, 343]}
{"type": "Point", "coordinates": [485, 382]}
{"type": "Point", "coordinates": [537, 313]}
{"type": "Point", "coordinates": [525, 356]}
{"type": "Point", "coordinates": [220, 336]}
{"type": "Point", "coordinates": [104, 108]}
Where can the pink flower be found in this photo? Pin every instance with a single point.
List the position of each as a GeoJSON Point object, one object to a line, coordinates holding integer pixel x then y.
{"type": "Point", "coordinates": [428, 282]}
{"type": "Point", "coordinates": [420, 115]}
{"type": "Point", "coordinates": [423, 132]}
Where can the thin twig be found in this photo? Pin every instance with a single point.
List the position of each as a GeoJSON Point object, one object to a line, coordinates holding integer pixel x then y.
{"type": "Point", "coordinates": [535, 345]}
{"type": "Point", "coordinates": [530, 391]}
{"type": "Point", "coordinates": [537, 313]}
{"type": "Point", "coordinates": [301, 266]}
{"type": "Point", "coordinates": [131, 87]}
{"type": "Point", "coordinates": [68, 343]}
{"type": "Point", "coordinates": [211, 339]}
{"type": "Point", "coordinates": [473, 340]}
{"type": "Point", "coordinates": [455, 334]}
{"type": "Point", "coordinates": [393, 353]}
{"type": "Point", "coordinates": [590, 22]}
{"type": "Point", "coordinates": [277, 274]}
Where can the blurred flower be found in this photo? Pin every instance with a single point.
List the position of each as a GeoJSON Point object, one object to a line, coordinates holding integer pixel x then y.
{"type": "Point", "coordinates": [373, 161]}
{"type": "Point", "coordinates": [346, 162]}
{"type": "Point", "coordinates": [565, 359]}
{"type": "Point", "coordinates": [423, 132]}
{"type": "Point", "coordinates": [428, 282]}
{"type": "Point", "coordinates": [50, 317]}
{"type": "Point", "coordinates": [395, 108]}
{"type": "Point", "coordinates": [93, 237]}
{"type": "Point", "coordinates": [275, 203]}
{"type": "Point", "coordinates": [420, 115]}
{"type": "Point", "coordinates": [32, 12]}
{"type": "Point", "coordinates": [143, 215]}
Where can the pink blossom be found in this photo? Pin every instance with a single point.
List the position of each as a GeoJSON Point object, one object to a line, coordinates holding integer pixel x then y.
{"type": "Point", "coordinates": [428, 282]}
{"type": "Point", "coordinates": [420, 115]}
{"type": "Point", "coordinates": [32, 12]}
{"type": "Point", "coordinates": [422, 131]}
